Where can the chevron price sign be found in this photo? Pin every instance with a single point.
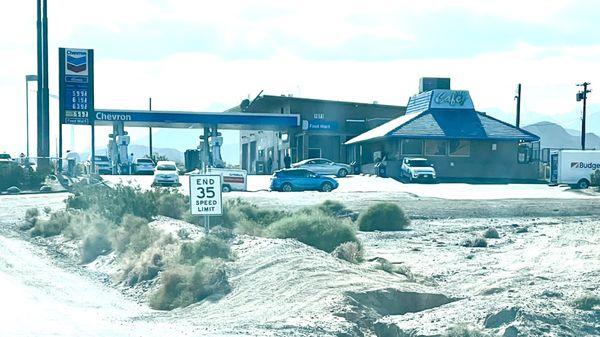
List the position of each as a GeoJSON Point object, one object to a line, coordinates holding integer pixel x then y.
{"type": "Point", "coordinates": [76, 71]}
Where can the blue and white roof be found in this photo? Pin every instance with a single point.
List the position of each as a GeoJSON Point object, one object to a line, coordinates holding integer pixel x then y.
{"type": "Point", "coordinates": [445, 114]}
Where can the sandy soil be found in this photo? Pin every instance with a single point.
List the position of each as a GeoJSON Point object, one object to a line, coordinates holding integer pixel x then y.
{"type": "Point", "coordinates": [524, 281]}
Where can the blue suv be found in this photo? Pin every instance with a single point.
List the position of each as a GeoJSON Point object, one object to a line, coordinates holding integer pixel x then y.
{"type": "Point", "coordinates": [301, 180]}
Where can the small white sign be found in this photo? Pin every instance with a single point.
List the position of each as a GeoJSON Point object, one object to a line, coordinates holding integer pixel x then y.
{"type": "Point", "coordinates": [205, 194]}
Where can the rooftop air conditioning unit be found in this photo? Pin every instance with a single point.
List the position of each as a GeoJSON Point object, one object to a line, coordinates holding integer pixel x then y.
{"type": "Point", "coordinates": [431, 83]}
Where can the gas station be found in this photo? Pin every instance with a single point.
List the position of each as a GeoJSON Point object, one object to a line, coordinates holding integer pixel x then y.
{"type": "Point", "coordinates": [210, 122]}
{"type": "Point", "coordinates": [76, 102]}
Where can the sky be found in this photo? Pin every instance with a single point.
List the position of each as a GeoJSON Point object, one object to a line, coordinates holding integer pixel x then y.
{"type": "Point", "coordinates": [209, 55]}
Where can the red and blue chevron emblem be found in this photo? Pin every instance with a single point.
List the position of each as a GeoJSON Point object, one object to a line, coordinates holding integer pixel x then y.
{"type": "Point", "coordinates": [77, 64]}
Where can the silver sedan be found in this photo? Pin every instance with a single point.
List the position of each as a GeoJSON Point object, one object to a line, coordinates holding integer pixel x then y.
{"type": "Point", "coordinates": [324, 167]}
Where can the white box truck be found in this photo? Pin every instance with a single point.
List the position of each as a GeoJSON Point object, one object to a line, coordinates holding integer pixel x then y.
{"type": "Point", "coordinates": [573, 167]}
{"type": "Point", "coordinates": [233, 179]}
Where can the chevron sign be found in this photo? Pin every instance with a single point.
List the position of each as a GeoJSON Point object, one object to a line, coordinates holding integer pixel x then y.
{"type": "Point", "coordinates": [76, 62]}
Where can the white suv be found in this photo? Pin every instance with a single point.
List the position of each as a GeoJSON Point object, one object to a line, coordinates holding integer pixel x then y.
{"type": "Point", "coordinates": [166, 174]}
{"type": "Point", "coordinates": [417, 169]}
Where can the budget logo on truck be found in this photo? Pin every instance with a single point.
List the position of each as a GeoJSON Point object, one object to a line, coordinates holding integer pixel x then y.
{"type": "Point", "coordinates": [582, 165]}
{"type": "Point", "coordinates": [76, 62]}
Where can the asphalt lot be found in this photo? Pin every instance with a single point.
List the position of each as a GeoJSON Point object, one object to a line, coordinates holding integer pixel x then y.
{"type": "Point", "coordinates": [355, 184]}
{"type": "Point", "coordinates": [420, 201]}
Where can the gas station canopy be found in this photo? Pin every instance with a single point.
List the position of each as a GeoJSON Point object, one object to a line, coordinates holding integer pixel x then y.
{"type": "Point", "coordinates": [196, 120]}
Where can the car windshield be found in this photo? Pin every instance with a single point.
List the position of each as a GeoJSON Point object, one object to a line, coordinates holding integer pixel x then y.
{"type": "Point", "coordinates": [166, 167]}
{"type": "Point", "coordinates": [418, 163]}
{"type": "Point", "coordinates": [4, 156]}
{"type": "Point", "coordinates": [145, 161]}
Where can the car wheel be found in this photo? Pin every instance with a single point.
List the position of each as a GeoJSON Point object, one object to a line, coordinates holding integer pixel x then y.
{"type": "Point", "coordinates": [583, 184]}
{"type": "Point", "coordinates": [287, 187]}
{"type": "Point", "coordinates": [326, 187]}
{"type": "Point", "coordinates": [342, 173]}
{"type": "Point", "coordinates": [226, 188]}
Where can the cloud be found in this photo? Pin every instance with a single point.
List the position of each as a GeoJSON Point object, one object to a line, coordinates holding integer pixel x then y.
{"type": "Point", "coordinates": [196, 55]}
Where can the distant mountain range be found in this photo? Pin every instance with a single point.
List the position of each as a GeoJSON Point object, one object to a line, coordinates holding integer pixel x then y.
{"type": "Point", "coordinates": [229, 152]}
{"type": "Point", "coordinates": [140, 151]}
{"type": "Point", "coordinates": [553, 135]}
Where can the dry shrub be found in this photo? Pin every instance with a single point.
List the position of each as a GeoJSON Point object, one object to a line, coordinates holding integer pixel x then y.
{"type": "Point", "coordinates": [477, 242]}
{"type": "Point", "coordinates": [491, 233]}
{"type": "Point", "coordinates": [318, 230]}
{"type": "Point", "coordinates": [209, 246]}
{"type": "Point", "coordinates": [587, 302]}
{"type": "Point", "coordinates": [383, 217]}
{"type": "Point", "coordinates": [349, 251]}
{"type": "Point", "coordinates": [171, 203]}
{"type": "Point", "coordinates": [54, 226]}
{"type": "Point", "coordinates": [94, 245]}
{"type": "Point", "coordinates": [392, 268]}
{"type": "Point", "coordinates": [146, 265]}
{"type": "Point", "coordinates": [32, 213]}
{"type": "Point", "coordinates": [134, 234]}
{"type": "Point", "coordinates": [463, 331]}
{"type": "Point", "coordinates": [184, 285]}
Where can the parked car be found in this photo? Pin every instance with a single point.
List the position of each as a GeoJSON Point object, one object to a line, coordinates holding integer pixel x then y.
{"type": "Point", "coordinates": [417, 169]}
{"type": "Point", "coordinates": [143, 166]}
{"type": "Point", "coordinates": [166, 174]}
{"type": "Point", "coordinates": [102, 164]}
{"type": "Point", "coordinates": [5, 158]}
{"type": "Point", "coordinates": [301, 180]}
{"type": "Point", "coordinates": [324, 166]}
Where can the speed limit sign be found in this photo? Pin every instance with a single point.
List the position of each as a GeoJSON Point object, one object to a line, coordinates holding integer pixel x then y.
{"type": "Point", "coordinates": [205, 195]}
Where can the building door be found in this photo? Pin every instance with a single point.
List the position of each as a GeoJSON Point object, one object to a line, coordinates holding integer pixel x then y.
{"type": "Point", "coordinates": [252, 157]}
{"type": "Point", "coordinates": [244, 160]}
{"type": "Point", "coordinates": [314, 153]}
{"type": "Point", "coordinates": [299, 148]}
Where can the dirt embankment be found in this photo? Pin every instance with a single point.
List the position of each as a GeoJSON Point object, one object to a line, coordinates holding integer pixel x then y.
{"type": "Point", "coordinates": [525, 283]}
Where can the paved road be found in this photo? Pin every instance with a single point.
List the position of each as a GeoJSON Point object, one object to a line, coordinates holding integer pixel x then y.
{"type": "Point", "coordinates": [421, 200]}
{"type": "Point", "coordinates": [452, 191]}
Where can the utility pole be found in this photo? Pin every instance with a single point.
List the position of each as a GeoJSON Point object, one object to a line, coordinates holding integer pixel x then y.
{"type": "Point", "coordinates": [40, 104]}
{"type": "Point", "coordinates": [43, 109]}
{"type": "Point", "coordinates": [46, 91]}
{"type": "Point", "coordinates": [582, 96]}
{"type": "Point", "coordinates": [518, 98]}
{"type": "Point", "coordinates": [150, 128]}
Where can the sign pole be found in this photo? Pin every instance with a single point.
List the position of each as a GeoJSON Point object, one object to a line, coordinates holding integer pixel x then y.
{"type": "Point", "coordinates": [207, 224]}
{"type": "Point", "coordinates": [93, 168]}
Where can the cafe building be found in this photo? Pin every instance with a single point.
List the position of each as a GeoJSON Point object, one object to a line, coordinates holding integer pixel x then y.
{"type": "Point", "coordinates": [462, 143]}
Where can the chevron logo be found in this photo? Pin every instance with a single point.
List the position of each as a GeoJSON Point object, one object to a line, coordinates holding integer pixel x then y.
{"type": "Point", "coordinates": [76, 61]}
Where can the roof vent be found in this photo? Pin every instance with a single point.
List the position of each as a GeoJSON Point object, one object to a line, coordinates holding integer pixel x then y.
{"type": "Point", "coordinates": [432, 83]}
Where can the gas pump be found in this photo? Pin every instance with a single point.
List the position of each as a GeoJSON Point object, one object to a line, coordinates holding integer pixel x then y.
{"type": "Point", "coordinates": [122, 143]}
{"type": "Point", "coordinates": [215, 142]}
{"type": "Point", "coordinates": [117, 149]}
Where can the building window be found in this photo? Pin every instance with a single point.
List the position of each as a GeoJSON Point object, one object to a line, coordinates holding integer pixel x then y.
{"type": "Point", "coordinates": [528, 152]}
{"type": "Point", "coordinates": [412, 147]}
{"type": "Point", "coordinates": [436, 148]}
{"type": "Point", "coordinates": [459, 148]}
{"type": "Point", "coordinates": [314, 153]}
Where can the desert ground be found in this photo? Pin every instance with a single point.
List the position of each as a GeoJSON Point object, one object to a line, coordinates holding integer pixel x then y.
{"type": "Point", "coordinates": [524, 283]}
